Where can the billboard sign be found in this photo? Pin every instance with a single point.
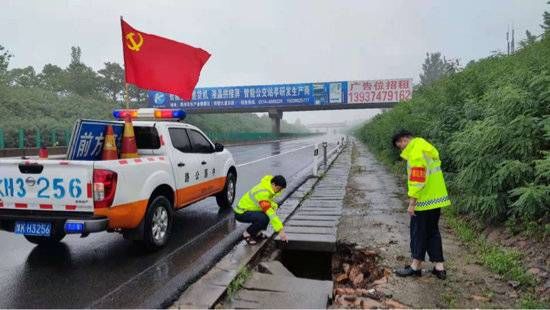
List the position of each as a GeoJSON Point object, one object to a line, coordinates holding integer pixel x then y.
{"type": "Point", "coordinates": [379, 91]}
{"type": "Point", "coordinates": [281, 95]}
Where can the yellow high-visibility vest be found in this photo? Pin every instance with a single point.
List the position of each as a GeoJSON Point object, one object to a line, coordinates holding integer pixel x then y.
{"type": "Point", "coordinates": [425, 180]}
{"type": "Point", "coordinates": [263, 191]}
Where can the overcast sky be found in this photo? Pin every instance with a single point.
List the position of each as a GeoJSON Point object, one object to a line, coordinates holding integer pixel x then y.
{"type": "Point", "coordinates": [256, 42]}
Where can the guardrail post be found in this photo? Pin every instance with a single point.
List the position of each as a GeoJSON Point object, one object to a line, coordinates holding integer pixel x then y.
{"type": "Point", "coordinates": [67, 136]}
{"type": "Point", "coordinates": [53, 141]}
{"type": "Point", "coordinates": [1, 139]}
{"type": "Point", "coordinates": [315, 160]}
{"type": "Point", "coordinates": [38, 138]}
{"type": "Point", "coordinates": [325, 154]}
{"type": "Point", "coordinates": [21, 138]}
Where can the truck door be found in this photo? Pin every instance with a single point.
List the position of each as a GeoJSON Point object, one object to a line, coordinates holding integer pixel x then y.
{"type": "Point", "coordinates": [185, 165]}
{"type": "Point", "coordinates": [204, 150]}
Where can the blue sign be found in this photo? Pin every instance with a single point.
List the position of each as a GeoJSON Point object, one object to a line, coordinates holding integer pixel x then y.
{"type": "Point", "coordinates": [88, 136]}
{"type": "Point", "coordinates": [256, 96]}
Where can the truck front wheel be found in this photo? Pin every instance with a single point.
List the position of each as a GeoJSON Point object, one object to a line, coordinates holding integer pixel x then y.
{"type": "Point", "coordinates": [158, 223]}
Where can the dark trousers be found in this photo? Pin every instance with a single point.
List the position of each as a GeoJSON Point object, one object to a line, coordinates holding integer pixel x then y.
{"type": "Point", "coordinates": [425, 236]}
{"type": "Point", "coordinates": [258, 219]}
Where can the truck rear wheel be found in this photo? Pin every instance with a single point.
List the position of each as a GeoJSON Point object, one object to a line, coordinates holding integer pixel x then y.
{"type": "Point", "coordinates": [158, 223]}
{"type": "Point", "coordinates": [226, 197]}
{"type": "Point", "coordinates": [56, 237]}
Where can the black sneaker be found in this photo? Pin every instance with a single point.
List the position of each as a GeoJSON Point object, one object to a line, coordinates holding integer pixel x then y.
{"type": "Point", "coordinates": [408, 271]}
{"type": "Point", "coordinates": [441, 274]}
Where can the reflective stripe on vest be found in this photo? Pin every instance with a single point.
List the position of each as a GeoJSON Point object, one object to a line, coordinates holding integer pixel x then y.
{"type": "Point", "coordinates": [434, 170]}
{"type": "Point", "coordinates": [430, 162]}
{"type": "Point", "coordinates": [253, 195]}
{"type": "Point", "coordinates": [431, 202]}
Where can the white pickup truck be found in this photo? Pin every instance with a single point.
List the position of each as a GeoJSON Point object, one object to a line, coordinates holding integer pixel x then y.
{"type": "Point", "coordinates": [45, 199]}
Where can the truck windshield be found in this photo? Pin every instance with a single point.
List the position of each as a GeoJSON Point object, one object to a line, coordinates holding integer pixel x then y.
{"type": "Point", "coordinates": [147, 138]}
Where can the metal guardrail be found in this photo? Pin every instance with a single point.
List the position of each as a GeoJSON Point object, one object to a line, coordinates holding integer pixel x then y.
{"type": "Point", "coordinates": [322, 159]}
{"type": "Point", "coordinates": [31, 151]}
{"type": "Point", "coordinates": [222, 138]}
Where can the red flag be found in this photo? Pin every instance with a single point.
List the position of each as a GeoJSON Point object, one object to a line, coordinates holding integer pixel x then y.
{"type": "Point", "coordinates": [161, 64]}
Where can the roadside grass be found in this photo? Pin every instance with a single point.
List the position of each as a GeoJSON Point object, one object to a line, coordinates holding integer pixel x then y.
{"type": "Point", "coordinates": [450, 299]}
{"type": "Point", "coordinates": [504, 262]}
{"type": "Point", "coordinates": [238, 282]}
{"type": "Point", "coordinates": [529, 301]}
{"type": "Point", "coordinates": [530, 229]}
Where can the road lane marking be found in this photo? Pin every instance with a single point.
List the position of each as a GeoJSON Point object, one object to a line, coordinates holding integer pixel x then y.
{"type": "Point", "coordinates": [261, 159]}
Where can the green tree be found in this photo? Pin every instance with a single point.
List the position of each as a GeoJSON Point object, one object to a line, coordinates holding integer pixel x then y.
{"type": "Point", "coordinates": [529, 39]}
{"type": "Point", "coordinates": [81, 79]}
{"type": "Point", "coordinates": [546, 21]}
{"type": "Point", "coordinates": [435, 67]}
{"type": "Point", "coordinates": [491, 125]}
{"type": "Point", "coordinates": [4, 62]}
{"type": "Point", "coordinates": [52, 78]}
{"type": "Point", "coordinates": [23, 77]}
{"type": "Point", "coordinates": [137, 96]}
{"type": "Point", "coordinates": [112, 80]}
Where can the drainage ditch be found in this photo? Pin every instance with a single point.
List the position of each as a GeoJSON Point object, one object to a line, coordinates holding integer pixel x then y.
{"type": "Point", "coordinates": [355, 272]}
{"type": "Point", "coordinates": [358, 279]}
{"type": "Point", "coordinates": [307, 264]}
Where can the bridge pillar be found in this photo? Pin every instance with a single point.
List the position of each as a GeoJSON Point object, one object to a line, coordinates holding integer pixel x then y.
{"type": "Point", "coordinates": [276, 116]}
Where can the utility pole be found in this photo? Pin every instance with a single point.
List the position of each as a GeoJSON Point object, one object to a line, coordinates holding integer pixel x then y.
{"type": "Point", "coordinates": [513, 48]}
{"type": "Point", "coordinates": [508, 41]}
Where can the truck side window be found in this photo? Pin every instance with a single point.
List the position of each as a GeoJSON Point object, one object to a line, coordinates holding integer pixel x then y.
{"type": "Point", "coordinates": [147, 138]}
{"type": "Point", "coordinates": [180, 140]}
{"type": "Point", "coordinates": [199, 142]}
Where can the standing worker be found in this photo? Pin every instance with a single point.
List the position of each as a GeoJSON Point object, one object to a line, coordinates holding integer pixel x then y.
{"type": "Point", "coordinates": [427, 195]}
{"type": "Point", "coordinates": [258, 207]}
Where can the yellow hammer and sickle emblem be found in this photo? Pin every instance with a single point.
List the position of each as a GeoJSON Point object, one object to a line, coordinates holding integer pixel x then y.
{"type": "Point", "coordinates": [132, 44]}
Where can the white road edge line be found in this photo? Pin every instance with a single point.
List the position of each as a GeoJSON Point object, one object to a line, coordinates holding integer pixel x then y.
{"type": "Point", "coordinates": [261, 159]}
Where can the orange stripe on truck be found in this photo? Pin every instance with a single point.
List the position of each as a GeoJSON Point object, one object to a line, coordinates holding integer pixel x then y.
{"type": "Point", "coordinates": [129, 215]}
{"type": "Point", "coordinates": [190, 194]}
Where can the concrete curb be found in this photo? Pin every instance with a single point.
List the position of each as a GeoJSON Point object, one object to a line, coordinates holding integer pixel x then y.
{"type": "Point", "coordinates": [207, 291]}
{"type": "Point", "coordinates": [313, 226]}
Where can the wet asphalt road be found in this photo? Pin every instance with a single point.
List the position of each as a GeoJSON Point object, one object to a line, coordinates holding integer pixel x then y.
{"type": "Point", "coordinates": [104, 270]}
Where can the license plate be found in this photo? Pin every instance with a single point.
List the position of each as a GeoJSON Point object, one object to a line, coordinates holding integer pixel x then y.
{"type": "Point", "coordinates": [33, 228]}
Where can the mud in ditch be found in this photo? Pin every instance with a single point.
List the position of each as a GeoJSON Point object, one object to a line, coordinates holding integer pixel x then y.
{"type": "Point", "coordinates": [357, 273]}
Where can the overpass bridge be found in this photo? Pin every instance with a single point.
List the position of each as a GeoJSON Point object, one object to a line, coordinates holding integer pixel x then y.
{"type": "Point", "coordinates": [326, 126]}
{"type": "Point", "coordinates": [279, 98]}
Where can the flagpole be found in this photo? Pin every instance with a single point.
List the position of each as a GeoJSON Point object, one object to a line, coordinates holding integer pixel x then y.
{"type": "Point", "coordinates": [126, 96]}
{"type": "Point", "coordinates": [126, 99]}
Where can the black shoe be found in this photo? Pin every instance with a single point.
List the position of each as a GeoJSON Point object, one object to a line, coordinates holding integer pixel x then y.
{"type": "Point", "coordinates": [408, 271]}
{"type": "Point", "coordinates": [441, 274]}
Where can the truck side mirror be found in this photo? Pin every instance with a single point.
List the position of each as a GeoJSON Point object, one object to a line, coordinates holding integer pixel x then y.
{"type": "Point", "coordinates": [218, 147]}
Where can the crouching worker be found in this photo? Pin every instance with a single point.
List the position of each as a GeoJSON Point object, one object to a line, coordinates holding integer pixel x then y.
{"type": "Point", "coordinates": [258, 207]}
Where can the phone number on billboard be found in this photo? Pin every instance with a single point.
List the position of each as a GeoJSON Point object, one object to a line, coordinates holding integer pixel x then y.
{"type": "Point", "coordinates": [379, 96]}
